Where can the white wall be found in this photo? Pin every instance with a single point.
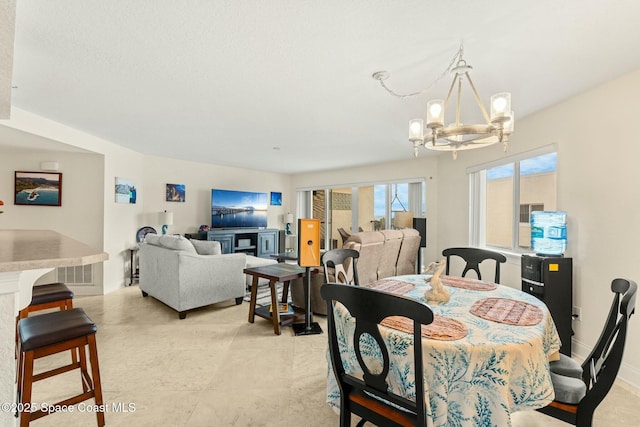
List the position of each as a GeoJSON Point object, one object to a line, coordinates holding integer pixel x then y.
{"type": "Point", "coordinates": [80, 215]}
{"type": "Point", "coordinates": [598, 180]}
{"type": "Point", "coordinates": [199, 179]}
{"type": "Point", "coordinates": [112, 226]}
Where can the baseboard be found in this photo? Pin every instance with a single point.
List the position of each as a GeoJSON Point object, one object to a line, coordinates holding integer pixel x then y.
{"type": "Point", "coordinates": [629, 374]}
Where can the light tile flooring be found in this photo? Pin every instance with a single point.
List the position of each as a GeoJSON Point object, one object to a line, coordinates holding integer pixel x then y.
{"type": "Point", "coordinates": [216, 369]}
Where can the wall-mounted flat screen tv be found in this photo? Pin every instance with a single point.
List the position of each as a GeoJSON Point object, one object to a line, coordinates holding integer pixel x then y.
{"type": "Point", "coordinates": [238, 209]}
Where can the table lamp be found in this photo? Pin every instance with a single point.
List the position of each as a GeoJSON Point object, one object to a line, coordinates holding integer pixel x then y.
{"type": "Point", "coordinates": [166, 218]}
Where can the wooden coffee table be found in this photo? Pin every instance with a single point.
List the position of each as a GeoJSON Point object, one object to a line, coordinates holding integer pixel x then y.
{"type": "Point", "coordinates": [280, 272]}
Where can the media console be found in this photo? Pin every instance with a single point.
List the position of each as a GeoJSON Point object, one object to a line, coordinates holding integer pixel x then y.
{"type": "Point", "coordinates": [260, 242]}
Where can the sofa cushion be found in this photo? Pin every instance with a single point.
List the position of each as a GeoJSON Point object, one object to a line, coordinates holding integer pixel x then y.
{"type": "Point", "coordinates": [207, 247]}
{"type": "Point", "coordinates": [152, 239]}
{"type": "Point", "coordinates": [390, 252]}
{"type": "Point", "coordinates": [172, 242]}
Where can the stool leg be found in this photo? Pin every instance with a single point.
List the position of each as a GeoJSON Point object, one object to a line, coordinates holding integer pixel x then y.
{"type": "Point", "coordinates": [95, 371]}
{"type": "Point", "coordinates": [27, 383]}
{"type": "Point", "coordinates": [84, 373]}
{"type": "Point", "coordinates": [68, 305]}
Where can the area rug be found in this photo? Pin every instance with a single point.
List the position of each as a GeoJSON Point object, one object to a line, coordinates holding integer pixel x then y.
{"type": "Point", "coordinates": [509, 311]}
{"type": "Point", "coordinates": [442, 328]}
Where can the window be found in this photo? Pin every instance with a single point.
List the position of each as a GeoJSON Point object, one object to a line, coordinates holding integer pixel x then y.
{"type": "Point", "coordinates": [364, 207]}
{"type": "Point", "coordinates": [526, 209]}
{"type": "Point", "coordinates": [504, 193]}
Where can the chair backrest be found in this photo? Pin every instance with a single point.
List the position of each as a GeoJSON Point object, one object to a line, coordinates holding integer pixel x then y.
{"type": "Point", "coordinates": [341, 266]}
{"type": "Point", "coordinates": [344, 234]}
{"type": "Point", "coordinates": [390, 252]}
{"type": "Point", "coordinates": [369, 307]}
{"type": "Point", "coordinates": [369, 245]}
{"type": "Point", "coordinates": [473, 257]}
{"type": "Point", "coordinates": [409, 250]}
{"type": "Point", "coordinates": [601, 367]}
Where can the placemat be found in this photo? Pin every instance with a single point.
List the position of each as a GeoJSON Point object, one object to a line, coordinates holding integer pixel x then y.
{"type": "Point", "coordinates": [397, 287]}
{"type": "Point", "coordinates": [442, 328]}
{"type": "Point", "coordinates": [509, 311]}
{"type": "Point", "coordinates": [464, 283]}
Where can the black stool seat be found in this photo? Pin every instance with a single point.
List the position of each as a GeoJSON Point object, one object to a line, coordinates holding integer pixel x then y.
{"type": "Point", "coordinates": [51, 292]}
{"type": "Point", "coordinates": [59, 326]}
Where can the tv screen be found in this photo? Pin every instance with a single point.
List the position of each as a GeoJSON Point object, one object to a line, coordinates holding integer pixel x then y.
{"type": "Point", "coordinates": [238, 209]}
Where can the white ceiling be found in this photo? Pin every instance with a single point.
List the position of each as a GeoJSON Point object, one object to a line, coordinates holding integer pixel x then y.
{"type": "Point", "coordinates": [286, 85]}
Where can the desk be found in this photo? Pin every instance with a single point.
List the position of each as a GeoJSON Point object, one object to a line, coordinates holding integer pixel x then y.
{"type": "Point", "coordinates": [280, 272]}
{"type": "Point", "coordinates": [496, 369]}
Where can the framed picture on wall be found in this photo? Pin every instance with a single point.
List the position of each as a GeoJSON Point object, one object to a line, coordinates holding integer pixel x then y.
{"type": "Point", "coordinates": [125, 191]}
{"type": "Point", "coordinates": [175, 192]}
{"type": "Point", "coordinates": [276, 199]}
{"type": "Point", "coordinates": [38, 188]}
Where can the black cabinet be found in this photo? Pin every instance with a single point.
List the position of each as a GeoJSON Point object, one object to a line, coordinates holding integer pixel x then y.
{"type": "Point", "coordinates": [551, 280]}
{"type": "Point", "coordinates": [252, 241]}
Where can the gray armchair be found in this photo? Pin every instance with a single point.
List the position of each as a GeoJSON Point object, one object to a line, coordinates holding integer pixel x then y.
{"type": "Point", "coordinates": [183, 279]}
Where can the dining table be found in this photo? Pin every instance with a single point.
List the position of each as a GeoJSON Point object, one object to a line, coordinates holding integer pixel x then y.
{"type": "Point", "coordinates": [486, 354]}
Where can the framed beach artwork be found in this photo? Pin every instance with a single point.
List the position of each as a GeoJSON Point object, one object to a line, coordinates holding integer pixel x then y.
{"type": "Point", "coordinates": [276, 199]}
{"type": "Point", "coordinates": [125, 191]}
{"type": "Point", "coordinates": [175, 193]}
{"type": "Point", "coordinates": [38, 188]}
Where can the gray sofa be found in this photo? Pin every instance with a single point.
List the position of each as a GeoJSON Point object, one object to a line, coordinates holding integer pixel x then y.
{"type": "Point", "coordinates": [383, 254]}
{"type": "Point", "coordinates": [175, 273]}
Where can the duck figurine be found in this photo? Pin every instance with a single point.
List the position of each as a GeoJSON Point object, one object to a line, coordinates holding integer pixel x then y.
{"type": "Point", "coordinates": [438, 293]}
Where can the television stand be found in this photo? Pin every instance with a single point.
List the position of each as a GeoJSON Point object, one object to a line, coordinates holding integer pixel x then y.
{"type": "Point", "coordinates": [261, 242]}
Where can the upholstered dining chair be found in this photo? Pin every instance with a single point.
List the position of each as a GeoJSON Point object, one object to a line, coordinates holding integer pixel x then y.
{"type": "Point", "coordinates": [473, 257]}
{"type": "Point", "coordinates": [341, 266]}
{"type": "Point", "coordinates": [368, 397]}
{"type": "Point", "coordinates": [579, 389]}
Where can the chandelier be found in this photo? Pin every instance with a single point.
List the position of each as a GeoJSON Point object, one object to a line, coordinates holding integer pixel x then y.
{"type": "Point", "coordinates": [457, 135]}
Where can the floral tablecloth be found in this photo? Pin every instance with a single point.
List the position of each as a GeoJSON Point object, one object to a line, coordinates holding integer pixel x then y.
{"type": "Point", "coordinates": [478, 380]}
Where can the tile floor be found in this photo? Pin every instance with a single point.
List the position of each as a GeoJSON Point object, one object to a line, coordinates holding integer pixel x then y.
{"type": "Point", "coordinates": [216, 369]}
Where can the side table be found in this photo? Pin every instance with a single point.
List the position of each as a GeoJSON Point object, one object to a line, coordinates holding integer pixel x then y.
{"type": "Point", "coordinates": [134, 271]}
{"type": "Point", "coordinates": [280, 272]}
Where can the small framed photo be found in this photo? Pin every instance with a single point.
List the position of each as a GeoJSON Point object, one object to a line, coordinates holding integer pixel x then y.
{"type": "Point", "coordinates": [126, 191]}
{"type": "Point", "coordinates": [175, 193]}
{"type": "Point", "coordinates": [276, 199]}
{"type": "Point", "coordinates": [38, 188]}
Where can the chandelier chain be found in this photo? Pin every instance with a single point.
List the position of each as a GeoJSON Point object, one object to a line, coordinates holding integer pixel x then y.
{"type": "Point", "coordinates": [456, 58]}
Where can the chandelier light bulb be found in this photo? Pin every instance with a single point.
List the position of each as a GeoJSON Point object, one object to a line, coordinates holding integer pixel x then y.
{"type": "Point", "coordinates": [435, 113]}
{"type": "Point", "coordinates": [500, 107]}
{"type": "Point", "coordinates": [416, 130]}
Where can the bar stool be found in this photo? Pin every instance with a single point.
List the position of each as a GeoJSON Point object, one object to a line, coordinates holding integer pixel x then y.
{"type": "Point", "coordinates": [51, 295]}
{"type": "Point", "coordinates": [52, 333]}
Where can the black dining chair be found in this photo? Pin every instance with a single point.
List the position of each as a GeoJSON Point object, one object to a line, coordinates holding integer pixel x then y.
{"type": "Point", "coordinates": [473, 257]}
{"type": "Point", "coordinates": [341, 266]}
{"type": "Point", "coordinates": [579, 389]}
{"type": "Point", "coordinates": [368, 397]}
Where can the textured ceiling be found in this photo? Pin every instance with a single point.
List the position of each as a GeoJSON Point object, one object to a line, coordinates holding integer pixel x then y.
{"type": "Point", "coordinates": [286, 85]}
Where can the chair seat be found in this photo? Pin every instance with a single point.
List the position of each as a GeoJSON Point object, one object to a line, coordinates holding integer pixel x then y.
{"type": "Point", "coordinates": [567, 389]}
{"type": "Point", "coordinates": [566, 366]}
{"type": "Point", "coordinates": [43, 294]}
{"type": "Point", "coordinates": [52, 328]}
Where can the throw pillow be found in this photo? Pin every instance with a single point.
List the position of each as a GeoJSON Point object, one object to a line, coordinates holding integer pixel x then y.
{"type": "Point", "coordinates": [206, 247]}
{"type": "Point", "coordinates": [152, 239]}
{"type": "Point", "coordinates": [178, 243]}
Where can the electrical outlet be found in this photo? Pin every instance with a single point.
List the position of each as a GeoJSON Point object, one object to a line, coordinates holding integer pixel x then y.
{"type": "Point", "coordinates": [577, 313]}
